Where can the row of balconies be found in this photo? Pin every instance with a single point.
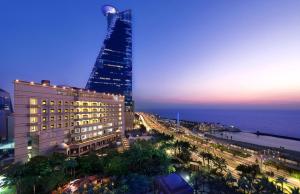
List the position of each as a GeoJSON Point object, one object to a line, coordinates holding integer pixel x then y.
{"type": "Point", "coordinates": [96, 138]}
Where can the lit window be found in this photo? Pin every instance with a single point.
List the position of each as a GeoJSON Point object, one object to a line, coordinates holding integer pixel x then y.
{"type": "Point", "coordinates": [66, 110]}
{"type": "Point", "coordinates": [59, 110]}
{"type": "Point", "coordinates": [33, 101]}
{"type": "Point", "coordinates": [44, 127]}
{"type": "Point", "coordinates": [77, 130]}
{"type": "Point", "coordinates": [100, 132]}
{"type": "Point", "coordinates": [77, 139]}
{"type": "Point", "coordinates": [52, 126]}
{"type": "Point", "coordinates": [44, 119]}
{"type": "Point", "coordinates": [66, 117]}
{"type": "Point", "coordinates": [59, 103]}
{"type": "Point", "coordinates": [51, 118]}
{"type": "Point", "coordinates": [52, 110]}
{"type": "Point", "coordinates": [33, 119]}
{"type": "Point", "coordinates": [44, 111]}
{"type": "Point", "coordinates": [33, 110]}
{"type": "Point", "coordinates": [109, 130]}
{"type": "Point", "coordinates": [33, 128]}
{"type": "Point", "coordinates": [52, 102]}
{"type": "Point", "coordinates": [44, 102]}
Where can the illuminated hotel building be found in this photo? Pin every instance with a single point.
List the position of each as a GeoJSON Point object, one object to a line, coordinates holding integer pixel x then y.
{"type": "Point", "coordinates": [112, 71]}
{"type": "Point", "coordinates": [65, 119]}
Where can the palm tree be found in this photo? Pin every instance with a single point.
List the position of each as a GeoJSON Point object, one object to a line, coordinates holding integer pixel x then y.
{"type": "Point", "coordinates": [198, 182]}
{"type": "Point", "coordinates": [209, 157]}
{"type": "Point", "coordinates": [295, 190]}
{"type": "Point", "coordinates": [193, 148]}
{"type": "Point", "coordinates": [203, 155]}
{"type": "Point", "coordinates": [71, 164]}
{"type": "Point", "coordinates": [244, 183]}
{"type": "Point", "coordinates": [220, 164]}
{"type": "Point", "coordinates": [230, 179]}
{"type": "Point", "coordinates": [13, 175]}
{"type": "Point", "coordinates": [176, 145]}
{"type": "Point", "coordinates": [281, 180]}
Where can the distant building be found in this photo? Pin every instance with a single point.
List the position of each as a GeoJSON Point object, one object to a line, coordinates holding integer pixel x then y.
{"type": "Point", "coordinates": [172, 184]}
{"type": "Point", "coordinates": [66, 119]}
{"type": "Point", "coordinates": [112, 71]}
{"type": "Point", "coordinates": [6, 118]}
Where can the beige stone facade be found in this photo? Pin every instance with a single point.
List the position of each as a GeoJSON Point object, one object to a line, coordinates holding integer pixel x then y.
{"type": "Point", "coordinates": [67, 119]}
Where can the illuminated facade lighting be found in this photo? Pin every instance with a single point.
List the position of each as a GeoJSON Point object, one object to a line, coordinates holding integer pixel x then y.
{"type": "Point", "coordinates": [112, 72]}
{"type": "Point", "coordinates": [69, 121]}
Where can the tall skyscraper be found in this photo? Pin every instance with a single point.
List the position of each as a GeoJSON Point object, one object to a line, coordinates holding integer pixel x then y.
{"type": "Point", "coordinates": [112, 72]}
{"type": "Point", "coordinates": [6, 111]}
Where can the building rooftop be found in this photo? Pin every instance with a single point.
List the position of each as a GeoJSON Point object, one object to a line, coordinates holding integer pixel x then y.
{"type": "Point", "coordinates": [46, 83]}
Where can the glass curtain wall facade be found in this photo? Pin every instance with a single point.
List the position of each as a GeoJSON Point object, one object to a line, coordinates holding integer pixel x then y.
{"type": "Point", "coordinates": [112, 72]}
{"type": "Point", "coordinates": [6, 118]}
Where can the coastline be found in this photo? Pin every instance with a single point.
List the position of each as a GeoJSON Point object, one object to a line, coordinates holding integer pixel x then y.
{"type": "Point", "coordinates": [281, 122]}
{"type": "Point", "coordinates": [258, 133]}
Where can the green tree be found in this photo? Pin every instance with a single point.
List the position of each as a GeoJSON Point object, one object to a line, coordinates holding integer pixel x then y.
{"type": "Point", "coordinates": [263, 185]}
{"type": "Point", "coordinates": [230, 180]}
{"type": "Point", "coordinates": [90, 164]}
{"type": "Point", "coordinates": [220, 164]}
{"type": "Point", "coordinates": [144, 158]}
{"type": "Point", "coordinates": [207, 156]}
{"type": "Point", "coordinates": [281, 180]}
{"type": "Point", "coordinates": [295, 190]}
{"type": "Point", "coordinates": [71, 164]}
{"type": "Point", "coordinates": [244, 183]}
{"type": "Point", "coordinates": [13, 176]}
{"type": "Point", "coordinates": [116, 166]}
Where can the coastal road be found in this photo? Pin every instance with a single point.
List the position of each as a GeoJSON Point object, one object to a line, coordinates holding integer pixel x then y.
{"type": "Point", "coordinates": [232, 161]}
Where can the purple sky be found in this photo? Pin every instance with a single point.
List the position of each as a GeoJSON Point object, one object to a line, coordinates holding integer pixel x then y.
{"type": "Point", "coordinates": [212, 53]}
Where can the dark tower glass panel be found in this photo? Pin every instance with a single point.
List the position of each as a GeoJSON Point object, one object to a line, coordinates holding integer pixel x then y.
{"type": "Point", "coordinates": [6, 111]}
{"type": "Point", "coordinates": [112, 72]}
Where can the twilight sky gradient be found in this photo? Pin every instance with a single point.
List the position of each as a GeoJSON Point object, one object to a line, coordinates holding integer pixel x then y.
{"type": "Point", "coordinates": [186, 52]}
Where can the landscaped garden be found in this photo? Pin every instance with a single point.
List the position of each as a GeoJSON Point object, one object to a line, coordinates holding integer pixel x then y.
{"type": "Point", "coordinates": [134, 171]}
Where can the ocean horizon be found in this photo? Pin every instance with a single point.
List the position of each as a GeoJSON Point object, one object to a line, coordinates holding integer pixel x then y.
{"type": "Point", "coordinates": [277, 122]}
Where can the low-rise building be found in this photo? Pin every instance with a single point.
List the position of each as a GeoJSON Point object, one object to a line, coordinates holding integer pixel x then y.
{"type": "Point", "coordinates": [72, 120]}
